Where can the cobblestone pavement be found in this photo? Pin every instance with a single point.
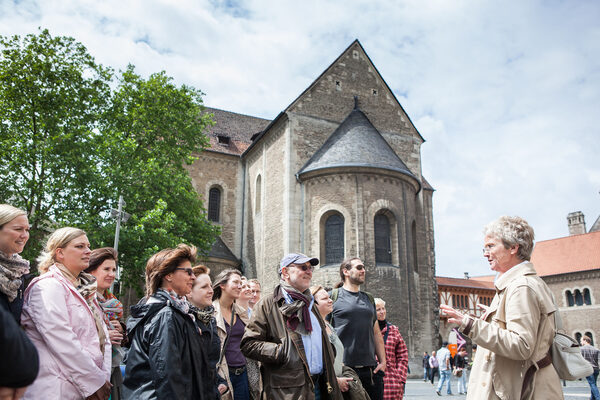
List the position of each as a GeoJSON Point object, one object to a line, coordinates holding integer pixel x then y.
{"type": "Point", "coordinates": [416, 389]}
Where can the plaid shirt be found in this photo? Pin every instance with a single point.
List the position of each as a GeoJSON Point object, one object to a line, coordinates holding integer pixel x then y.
{"type": "Point", "coordinates": [591, 354]}
{"type": "Point", "coordinates": [396, 355]}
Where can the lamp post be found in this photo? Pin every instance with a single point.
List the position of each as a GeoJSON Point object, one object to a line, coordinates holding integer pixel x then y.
{"type": "Point", "coordinates": [120, 216]}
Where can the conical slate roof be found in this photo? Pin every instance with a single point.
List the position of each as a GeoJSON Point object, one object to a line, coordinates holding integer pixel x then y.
{"type": "Point", "coordinates": [356, 143]}
{"type": "Point", "coordinates": [220, 250]}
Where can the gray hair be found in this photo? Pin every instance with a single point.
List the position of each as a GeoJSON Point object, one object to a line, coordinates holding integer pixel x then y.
{"type": "Point", "coordinates": [8, 213]}
{"type": "Point", "coordinates": [512, 231]}
{"type": "Point", "coordinates": [59, 239]}
{"type": "Point", "coordinates": [379, 300]}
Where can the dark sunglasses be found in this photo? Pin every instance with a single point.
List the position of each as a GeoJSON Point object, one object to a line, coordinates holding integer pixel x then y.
{"type": "Point", "coordinates": [359, 267]}
{"type": "Point", "coordinates": [304, 267]}
{"type": "Point", "coordinates": [189, 271]}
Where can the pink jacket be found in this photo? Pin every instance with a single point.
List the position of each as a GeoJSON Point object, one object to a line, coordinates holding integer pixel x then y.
{"type": "Point", "coordinates": [60, 324]}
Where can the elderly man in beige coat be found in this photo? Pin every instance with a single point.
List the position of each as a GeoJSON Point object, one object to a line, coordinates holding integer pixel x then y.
{"type": "Point", "coordinates": [515, 333]}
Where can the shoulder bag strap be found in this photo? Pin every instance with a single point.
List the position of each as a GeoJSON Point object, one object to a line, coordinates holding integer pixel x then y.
{"type": "Point", "coordinates": [227, 337]}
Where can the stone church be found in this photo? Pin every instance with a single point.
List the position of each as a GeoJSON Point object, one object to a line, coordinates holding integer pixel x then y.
{"type": "Point", "coordinates": [336, 174]}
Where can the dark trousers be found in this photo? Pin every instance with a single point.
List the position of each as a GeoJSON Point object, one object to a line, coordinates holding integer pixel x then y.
{"type": "Point", "coordinates": [239, 385]}
{"type": "Point", "coordinates": [433, 373]}
{"type": "Point", "coordinates": [373, 383]}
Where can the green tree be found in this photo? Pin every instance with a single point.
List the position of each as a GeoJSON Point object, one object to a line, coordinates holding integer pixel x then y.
{"type": "Point", "coordinates": [73, 137]}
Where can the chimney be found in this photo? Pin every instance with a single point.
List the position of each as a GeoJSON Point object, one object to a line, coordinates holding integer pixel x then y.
{"type": "Point", "coordinates": [466, 275]}
{"type": "Point", "coordinates": [576, 222]}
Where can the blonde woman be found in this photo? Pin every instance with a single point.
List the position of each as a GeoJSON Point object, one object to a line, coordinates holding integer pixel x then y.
{"type": "Point", "coordinates": [65, 322]}
{"type": "Point", "coordinates": [20, 360]}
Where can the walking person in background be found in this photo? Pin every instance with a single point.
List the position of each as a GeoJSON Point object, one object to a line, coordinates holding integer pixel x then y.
{"type": "Point", "coordinates": [443, 359]}
{"type": "Point", "coordinates": [166, 358]}
{"type": "Point", "coordinates": [434, 367]}
{"type": "Point", "coordinates": [355, 321]}
{"type": "Point", "coordinates": [20, 363]}
{"type": "Point", "coordinates": [103, 266]}
{"type": "Point", "coordinates": [232, 320]}
{"type": "Point", "coordinates": [396, 355]}
{"type": "Point", "coordinates": [426, 367]}
{"type": "Point", "coordinates": [201, 307]}
{"type": "Point", "coordinates": [460, 370]}
{"type": "Point", "coordinates": [514, 335]}
{"type": "Point", "coordinates": [65, 322]}
{"type": "Point", "coordinates": [592, 355]}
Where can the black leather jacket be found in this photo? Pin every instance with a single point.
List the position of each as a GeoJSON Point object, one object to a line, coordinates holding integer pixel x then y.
{"type": "Point", "coordinates": [212, 344]}
{"type": "Point", "coordinates": [166, 359]}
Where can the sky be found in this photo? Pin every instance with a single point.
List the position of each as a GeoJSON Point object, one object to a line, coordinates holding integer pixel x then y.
{"type": "Point", "coordinates": [503, 92]}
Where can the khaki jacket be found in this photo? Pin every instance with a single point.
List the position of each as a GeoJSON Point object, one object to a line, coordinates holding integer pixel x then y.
{"type": "Point", "coordinates": [516, 331]}
{"type": "Point", "coordinates": [285, 371]}
{"type": "Point", "coordinates": [222, 368]}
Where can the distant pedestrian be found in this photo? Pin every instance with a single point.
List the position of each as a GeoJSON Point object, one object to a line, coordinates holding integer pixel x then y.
{"type": "Point", "coordinates": [396, 356]}
{"type": "Point", "coordinates": [592, 355]}
{"type": "Point", "coordinates": [443, 358]}
{"type": "Point", "coordinates": [426, 367]}
{"type": "Point", "coordinates": [434, 367]}
{"type": "Point", "coordinates": [460, 370]}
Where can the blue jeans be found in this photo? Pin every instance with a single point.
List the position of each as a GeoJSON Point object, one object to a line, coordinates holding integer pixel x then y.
{"type": "Point", "coordinates": [239, 385]}
{"type": "Point", "coordinates": [425, 374]}
{"type": "Point", "coordinates": [444, 376]}
{"type": "Point", "coordinates": [592, 381]}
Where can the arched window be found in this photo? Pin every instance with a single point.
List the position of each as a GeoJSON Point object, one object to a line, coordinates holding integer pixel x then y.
{"type": "Point", "coordinates": [383, 246]}
{"type": "Point", "coordinates": [578, 298]}
{"type": "Point", "coordinates": [589, 334]}
{"type": "Point", "coordinates": [578, 337]}
{"type": "Point", "coordinates": [570, 299]}
{"type": "Point", "coordinates": [214, 204]}
{"type": "Point", "coordinates": [586, 297]}
{"type": "Point", "coordinates": [257, 194]}
{"type": "Point", "coordinates": [334, 239]}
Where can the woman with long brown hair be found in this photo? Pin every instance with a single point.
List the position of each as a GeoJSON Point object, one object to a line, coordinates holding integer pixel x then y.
{"type": "Point", "coordinates": [166, 359]}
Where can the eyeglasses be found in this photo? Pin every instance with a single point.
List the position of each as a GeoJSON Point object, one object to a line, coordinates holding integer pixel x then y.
{"type": "Point", "coordinates": [189, 271]}
{"type": "Point", "coordinates": [359, 267]}
{"type": "Point", "coordinates": [304, 267]}
{"type": "Point", "coordinates": [488, 248]}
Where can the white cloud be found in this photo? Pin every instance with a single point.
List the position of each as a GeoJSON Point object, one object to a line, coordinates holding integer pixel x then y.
{"type": "Point", "coordinates": [504, 93]}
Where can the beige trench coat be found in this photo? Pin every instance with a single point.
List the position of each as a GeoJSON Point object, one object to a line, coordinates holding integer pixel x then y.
{"type": "Point", "coordinates": [516, 331]}
{"type": "Point", "coordinates": [222, 368]}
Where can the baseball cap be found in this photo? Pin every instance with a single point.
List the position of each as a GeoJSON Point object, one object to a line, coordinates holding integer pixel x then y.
{"type": "Point", "coordinates": [296, 258]}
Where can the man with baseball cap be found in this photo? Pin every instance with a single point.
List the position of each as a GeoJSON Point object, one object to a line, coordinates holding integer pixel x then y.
{"type": "Point", "coordinates": [287, 334]}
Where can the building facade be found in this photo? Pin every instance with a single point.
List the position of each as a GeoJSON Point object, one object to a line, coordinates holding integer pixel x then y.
{"type": "Point", "coordinates": [336, 174]}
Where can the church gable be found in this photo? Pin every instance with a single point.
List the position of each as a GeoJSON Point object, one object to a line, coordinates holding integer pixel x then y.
{"type": "Point", "coordinates": [330, 96]}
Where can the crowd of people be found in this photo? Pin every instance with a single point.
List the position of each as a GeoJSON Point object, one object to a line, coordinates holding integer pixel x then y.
{"type": "Point", "coordinates": [64, 334]}
{"type": "Point", "coordinates": [188, 337]}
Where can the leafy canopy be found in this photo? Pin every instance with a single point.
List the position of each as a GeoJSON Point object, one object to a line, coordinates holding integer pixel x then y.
{"type": "Point", "coordinates": [74, 136]}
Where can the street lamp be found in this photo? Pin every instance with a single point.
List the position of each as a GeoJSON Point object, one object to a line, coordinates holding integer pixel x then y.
{"type": "Point", "coordinates": [120, 216]}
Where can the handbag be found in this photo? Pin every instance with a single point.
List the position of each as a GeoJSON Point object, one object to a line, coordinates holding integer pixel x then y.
{"type": "Point", "coordinates": [566, 355]}
{"type": "Point", "coordinates": [457, 372]}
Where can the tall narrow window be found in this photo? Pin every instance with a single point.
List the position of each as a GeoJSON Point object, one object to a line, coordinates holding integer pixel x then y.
{"type": "Point", "coordinates": [570, 299]}
{"type": "Point", "coordinates": [578, 337]}
{"type": "Point", "coordinates": [214, 204]}
{"type": "Point", "coordinates": [257, 194]}
{"type": "Point", "coordinates": [414, 245]}
{"type": "Point", "coordinates": [586, 297]}
{"type": "Point", "coordinates": [334, 239]}
{"type": "Point", "coordinates": [383, 247]}
{"type": "Point", "coordinates": [578, 298]}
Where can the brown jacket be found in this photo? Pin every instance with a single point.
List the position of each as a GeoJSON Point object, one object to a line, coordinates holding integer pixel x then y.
{"type": "Point", "coordinates": [285, 372]}
{"type": "Point", "coordinates": [516, 331]}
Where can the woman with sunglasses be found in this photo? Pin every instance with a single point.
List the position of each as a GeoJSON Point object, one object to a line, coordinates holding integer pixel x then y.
{"type": "Point", "coordinates": [167, 359]}
{"type": "Point", "coordinates": [231, 322]}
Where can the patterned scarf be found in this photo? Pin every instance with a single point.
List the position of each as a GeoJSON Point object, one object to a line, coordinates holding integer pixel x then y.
{"type": "Point", "coordinates": [12, 268]}
{"type": "Point", "coordinates": [179, 302]}
{"type": "Point", "coordinates": [86, 286]}
{"type": "Point", "coordinates": [297, 312]}
{"type": "Point", "coordinates": [112, 307]}
{"type": "Point", "coordinates": [203, 315]}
